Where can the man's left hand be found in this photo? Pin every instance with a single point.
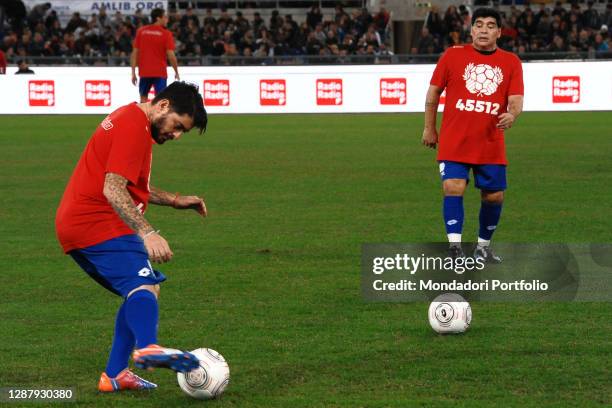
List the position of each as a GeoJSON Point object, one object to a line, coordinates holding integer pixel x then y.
{"type": "Point", "coordinates": [505, 121]}
{"type": "Point", "coordinates": [191, 202]}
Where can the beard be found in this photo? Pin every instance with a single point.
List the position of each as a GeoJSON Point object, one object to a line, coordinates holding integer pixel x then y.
{"type": "Point", "coordinates": [156, 127]}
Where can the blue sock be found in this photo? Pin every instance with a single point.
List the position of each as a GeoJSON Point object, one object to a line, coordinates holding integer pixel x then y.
{"type": "Point", "coordinates": [453, 214]}
{"type": "Point", "coordinates": [141, 314]}
{"type": "Point", "coordinates": [123, 344]}
{"type": "Point", "coordinates": [489, 217]}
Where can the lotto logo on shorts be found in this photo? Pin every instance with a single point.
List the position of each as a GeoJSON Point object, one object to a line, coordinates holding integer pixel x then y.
{"type": "Point", "coordinates": [217, 92]}
{"type": "Point", "coordinates": [329, 91]}
{"type": "Point", "coordinates": [393, 91]}
{"type": "Point", "coordinates": [97, 93]}
{"type": "Point", "coordinates": [41, 93]}
{"type": "Point", "coordinates": [144, 272]}
{"type": "Point", "coordinates": [566, 89]}
{"type": "Point", "coordinates": [272, 92]}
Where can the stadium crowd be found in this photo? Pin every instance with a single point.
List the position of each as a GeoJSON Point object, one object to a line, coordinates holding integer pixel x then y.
{"type": "Point", "coordinates": [556, 29]}
{"type": "Point", "coordinates": [524, 30]}
{"type": "Point", "coordinates": [41, 34]}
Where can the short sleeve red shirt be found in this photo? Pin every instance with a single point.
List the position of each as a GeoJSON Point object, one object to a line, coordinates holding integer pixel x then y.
{"type": "Point", "coordinates": [477, 89]}
{"type": "Point", "coordinates": [121, 144]}
{"type": "Point", "coordinates": [153, 41]}
{"type": "Point", "coordinates": [2, 63]}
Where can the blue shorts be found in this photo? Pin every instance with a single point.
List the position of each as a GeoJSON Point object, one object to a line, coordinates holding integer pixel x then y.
{"type": "Point", "coordinates": [490, 177]}
{"type": "Point", "coordinates": [120, 264]}
{"type": "Point", "coordinates": [145, 84]}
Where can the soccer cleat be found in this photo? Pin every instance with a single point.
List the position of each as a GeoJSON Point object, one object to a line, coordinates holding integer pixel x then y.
{"type": "Point", "coordinates": [486, 254]}
{"type": "Point", "coordinates": [154, 356]}
{"type": "Point", "coordinates": [125, 380]}
{"type": "Point", "coordinates": [455, 251]}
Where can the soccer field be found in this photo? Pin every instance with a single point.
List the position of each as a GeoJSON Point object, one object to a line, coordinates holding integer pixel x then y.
{"type": "Point", "coordinates": [271, 279]}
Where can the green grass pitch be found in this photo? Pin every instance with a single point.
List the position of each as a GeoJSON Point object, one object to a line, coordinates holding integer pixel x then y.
{"type": "Point", "coordinates": [272, 278]}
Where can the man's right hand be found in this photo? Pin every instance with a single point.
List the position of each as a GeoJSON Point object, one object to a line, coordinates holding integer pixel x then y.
{"type": "Point", "coordinates": [430, 137]}
{"type": "Point", "coordinates": [157, 248]}
{"type": "Point", "coordinates": [134, 79]}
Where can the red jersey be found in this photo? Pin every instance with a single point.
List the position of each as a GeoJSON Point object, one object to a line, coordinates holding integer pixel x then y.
{"type": "Point", "coordinates": [152, 42]}
{"type": "Point", "coordinates": [477, 89]}
{"type": "Point", "coordinates": [2, 63]}
{"type": "Point", "coordinates": [121, 144]}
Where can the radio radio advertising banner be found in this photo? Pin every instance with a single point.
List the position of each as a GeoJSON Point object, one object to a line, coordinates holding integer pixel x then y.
{"type": "Point", "coordinates": [571, 86]}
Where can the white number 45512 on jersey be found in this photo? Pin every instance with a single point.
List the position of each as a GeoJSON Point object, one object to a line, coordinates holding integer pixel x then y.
{"type": "Point", "coordinates": [477, 106]}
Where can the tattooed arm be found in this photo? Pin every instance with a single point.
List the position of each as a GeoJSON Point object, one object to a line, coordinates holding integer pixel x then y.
{"type": "Point", "coordinates": [161, 197]}
{"type": "Point", "coordinates": [430, 134]}
{"type": "Point", "coordinates": [115, 191]}
{"type": "Point", "coordinates": [175, 200]}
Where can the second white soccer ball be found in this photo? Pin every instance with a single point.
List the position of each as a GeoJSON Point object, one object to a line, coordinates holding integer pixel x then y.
{"type": "Point", "coordinates": [210, 379]}
{"type": "Point", "coordinates": [450, 313]}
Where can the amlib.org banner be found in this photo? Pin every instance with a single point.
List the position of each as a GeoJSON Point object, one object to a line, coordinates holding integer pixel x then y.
{"type": "Point", "coordinates": [66, 8]}
{"type": "Point", "coordinates": [528, 272]}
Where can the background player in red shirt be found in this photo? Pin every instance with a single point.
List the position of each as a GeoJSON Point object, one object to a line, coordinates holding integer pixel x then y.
{"type": "Point", "coordinates": [2, 63]}
{"type": "Point", "coordinates": [152, 48]}
{"type": "Point", "coordinates": [100, 223]}
{"type": "Point", "coordinates": [484, 96]}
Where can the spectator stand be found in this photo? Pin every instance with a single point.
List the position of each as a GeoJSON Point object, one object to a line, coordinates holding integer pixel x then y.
{"type": "Point", "coordinates": [215, 32]}
{"type": "Point", "coordinates": [546, 31]}
{"type": "Point", "coordinates": [204, 35]}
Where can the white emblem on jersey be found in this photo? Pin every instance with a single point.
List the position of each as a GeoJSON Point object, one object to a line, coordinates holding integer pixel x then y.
{"type": "Point", "coordinates": [482, 79]}
{"type": "Point", "coordinates": [107, 124]}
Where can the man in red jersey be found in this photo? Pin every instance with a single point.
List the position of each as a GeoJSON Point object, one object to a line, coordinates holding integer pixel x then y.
{"type": "Point", "coordinates": [100, 223]}
{"type": "Point", "coordinates": [152, 48]}
{"type": "Point", "coordinates": [2, 63]}
{"type": "Point", "coordinates": [484, 96]}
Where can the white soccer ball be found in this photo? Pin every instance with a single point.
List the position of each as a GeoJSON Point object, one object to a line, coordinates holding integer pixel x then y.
{"type": "Point", "coordinates": [450, 313]}
{"type": "Point", "coordinates": [210, 379]}
{"type": "Point", "coordinates": [482, 79]}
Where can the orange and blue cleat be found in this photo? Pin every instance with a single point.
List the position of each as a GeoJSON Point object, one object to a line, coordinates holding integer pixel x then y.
{"type": "Point", "coordinates": [154, 356]}
{"type": "Point", "coordinates": [125, 380]}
